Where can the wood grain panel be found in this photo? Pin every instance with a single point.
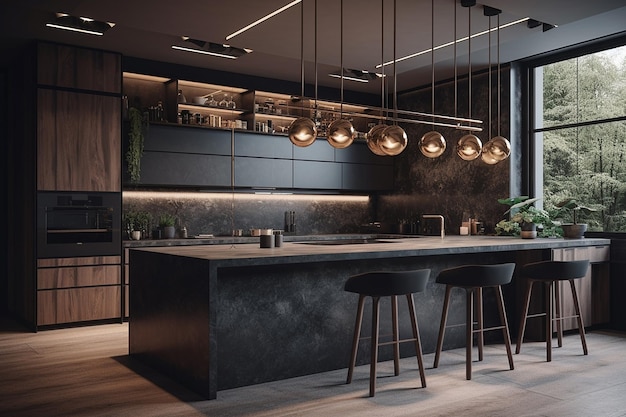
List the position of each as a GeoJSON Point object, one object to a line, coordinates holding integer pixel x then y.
{"type": "Point", "coordinates": [78, 304]}
{"type": "Point", "coordinates": [85, 260]}
{"type": "Point", "coordinates": [78, 276]}
{"type": "Point", "coordinates": [73, 67]}
{"type": "Point", "coordinates": [79, 142]}
{"type": "Point", "coordinates": [583, 288]}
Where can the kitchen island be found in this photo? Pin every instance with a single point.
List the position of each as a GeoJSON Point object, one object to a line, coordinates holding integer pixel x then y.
{"type": "Point", "coordinates": [222, 316]}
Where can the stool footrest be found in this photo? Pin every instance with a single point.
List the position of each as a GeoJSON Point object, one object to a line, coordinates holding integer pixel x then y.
{"type": "Point", "coordinates": [397, 341]}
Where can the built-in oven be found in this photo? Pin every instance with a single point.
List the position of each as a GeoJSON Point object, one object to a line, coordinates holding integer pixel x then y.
{"type": "Point", "coordinates": [78, 224]}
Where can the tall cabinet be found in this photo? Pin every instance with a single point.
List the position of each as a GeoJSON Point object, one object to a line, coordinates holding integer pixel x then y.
{"type": "Point", "coordinates": [74, 146]}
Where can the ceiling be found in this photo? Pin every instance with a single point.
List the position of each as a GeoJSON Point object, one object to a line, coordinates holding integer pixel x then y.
{"type": "Point", "coordinates": [148, 29]}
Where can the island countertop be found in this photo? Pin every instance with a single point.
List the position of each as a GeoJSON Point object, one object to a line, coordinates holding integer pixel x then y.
{"type": "Point", "coordinates": [248, 254]}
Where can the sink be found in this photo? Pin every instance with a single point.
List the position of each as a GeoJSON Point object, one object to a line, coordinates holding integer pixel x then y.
{"type": "Point", "coordinates": [347, 241]}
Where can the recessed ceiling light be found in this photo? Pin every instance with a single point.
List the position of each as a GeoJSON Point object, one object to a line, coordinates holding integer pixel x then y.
{"type": "Point", "coordinates": [80, 24]}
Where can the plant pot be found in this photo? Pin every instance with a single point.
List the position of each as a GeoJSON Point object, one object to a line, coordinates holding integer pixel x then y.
{"type": "Point", "coordinates": [136, 234]}
{"type": "Point", "coordinates": [574, 230]}
{"type": "Point", "coordinates": [529, 231]}
{"type": "Point", "coordinates": [169, 232]}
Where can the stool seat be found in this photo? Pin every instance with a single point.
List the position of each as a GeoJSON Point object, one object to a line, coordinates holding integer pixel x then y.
{"type": "Point", "coordinates": [550, 273]}
{"type": "Point", "coordinates": [469, 276]}
{"type": "Point", "coordinates": [386, 284]}
{"type": "Point", "coordinates": [473, 278]}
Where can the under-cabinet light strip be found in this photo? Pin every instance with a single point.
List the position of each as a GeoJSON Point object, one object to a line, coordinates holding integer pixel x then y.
{"type": "Point", "coordinates": [199, 51]}
{"type": "Point", "coordinates": [265, 194]}
{"type": "Point", "coordinates": [73, 29]}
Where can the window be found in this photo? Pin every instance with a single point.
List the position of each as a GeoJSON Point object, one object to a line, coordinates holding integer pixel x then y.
{"type": "Point", "coordinates": [580, 135]}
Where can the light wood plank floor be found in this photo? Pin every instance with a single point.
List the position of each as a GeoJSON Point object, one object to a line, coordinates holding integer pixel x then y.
{"type": "Point", "coordinates": [87, 372]}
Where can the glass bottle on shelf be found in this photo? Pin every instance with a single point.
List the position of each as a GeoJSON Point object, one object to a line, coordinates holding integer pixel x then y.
{"type": "Point", "coordinates": [223, 102]}
{"type": "Point", "coordinates": [211, 102]}
{"type": "Point", "coordinates": [180, 98]}
{"type": "Point", "coordinates": [231, 103]}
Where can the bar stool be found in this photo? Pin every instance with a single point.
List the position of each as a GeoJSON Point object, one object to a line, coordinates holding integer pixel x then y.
{"type": "Point", "coordinates": [550, 272]}
{"type": "Point", "coordinates": [386, 284]}
{"type": "Point", "coordinates": [473, 278]}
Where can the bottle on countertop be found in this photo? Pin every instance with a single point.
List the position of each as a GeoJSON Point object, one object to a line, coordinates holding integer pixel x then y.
{"type": "Point", "coordinates": [183, 233]}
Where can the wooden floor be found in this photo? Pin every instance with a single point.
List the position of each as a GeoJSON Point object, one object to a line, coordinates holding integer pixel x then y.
{"type": "Point", "coordinates": [87, 372]}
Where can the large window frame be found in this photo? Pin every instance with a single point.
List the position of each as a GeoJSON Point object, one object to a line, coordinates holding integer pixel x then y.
{"type": "Point", "coordinates": [532, 167]}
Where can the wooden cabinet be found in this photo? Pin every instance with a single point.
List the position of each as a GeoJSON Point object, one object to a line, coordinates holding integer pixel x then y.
{"type": "Point", "coordinates": [80, 68]}
{"type": "Point", "coordinates": [78, 141]}
{"type": "Point", "coordinates": [71, 290]}
{"type": "Point", "coordinates": [593, 290]}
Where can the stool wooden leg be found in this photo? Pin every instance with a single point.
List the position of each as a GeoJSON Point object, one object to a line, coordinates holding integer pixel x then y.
{"type": "Point", "coordinates": [442, 326]}
{"type": "Point", "coordinates": [548, 321]}
{"type": "Point", "coordinates": [558, 313]}
{"type": "Point", "coordinates": [416, 336]}
{"type": "Point", "coordinates": [396, 344]}
{"type": "Point", "coordinates": [505, 323]}
{"type": "Point", "coordinates": [374, 359]}
{"type": "Point", "coordinates": [581, 327]}
{"type": "Point", "coordinates": [357, 335]}
{"type": "Point", "coordinates": [480, 321]}
{"type": "Point", "coordinates": [522, 324]}
{"type": "Point", "coordinates": [469, 332]}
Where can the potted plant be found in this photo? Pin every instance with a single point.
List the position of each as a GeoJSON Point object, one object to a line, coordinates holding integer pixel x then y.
{"type": "Point", "coordinates": [524, 218]}
{"type": "Point", "coordinates": [136, 223]}
{"type": "Point", "coordinates": [167, 222]}
{"type": "Point", "coordinates": [569, 206]}
{"type": "Point", "coordinates": [135, 143]}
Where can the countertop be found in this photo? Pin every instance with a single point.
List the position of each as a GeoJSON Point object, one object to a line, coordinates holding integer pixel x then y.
{"type": "Point", "coordinates": [242, 254]}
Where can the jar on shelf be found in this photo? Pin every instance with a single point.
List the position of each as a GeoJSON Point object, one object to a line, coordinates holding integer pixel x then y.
{"type": "Point", "coordinates": [180, 98]}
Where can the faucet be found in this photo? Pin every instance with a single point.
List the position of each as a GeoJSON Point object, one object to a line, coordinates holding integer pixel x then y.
{"type": "Point", "coordinates": [440, 217]}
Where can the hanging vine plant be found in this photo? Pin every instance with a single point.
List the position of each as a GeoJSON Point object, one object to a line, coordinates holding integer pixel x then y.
{"type": "Point", "coordinates": [134, 153]}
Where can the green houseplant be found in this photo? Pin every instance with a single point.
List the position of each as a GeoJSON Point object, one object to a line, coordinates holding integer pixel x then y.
{"type": "Point", "coordinates": [166, 223]}
{"type": "Point", "coordinates": [134, 152]}
{"type": "Point", "coordinates": [524, 218]}
{"type": "Point", "coordinates": [136, 223]}
{"type": "Point", "coordinates": [569, 207]}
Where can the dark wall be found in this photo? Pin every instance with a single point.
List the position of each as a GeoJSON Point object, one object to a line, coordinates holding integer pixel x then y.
{"type": "Point", "coordinates": [4, 132]}
{"type": "Point", "coordinates": [449, 185]}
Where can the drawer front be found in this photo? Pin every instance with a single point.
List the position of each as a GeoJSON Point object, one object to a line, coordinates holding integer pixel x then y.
{"type": "Point", "coordinates": [83, 276]}
{"type": "Point", "coordinates": [78, 304]}
{"type": "Point", "coordinates": [86, 260]}
{"type": "Point", "coordinates": [599, 253]}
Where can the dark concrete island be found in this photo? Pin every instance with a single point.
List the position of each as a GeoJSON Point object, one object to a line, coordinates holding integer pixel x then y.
{"type": "Point", "coordinates": [221, 316]}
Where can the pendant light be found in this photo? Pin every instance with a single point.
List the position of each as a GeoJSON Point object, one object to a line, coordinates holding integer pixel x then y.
{"type": "Point", "coordinates": [469, 146]}
{"type": "Point", "coordinates": [302, 131]}
{"type": "Point", "coordinates": [485, 155]}
{"type": "Point", "coordinates": [341, 133]}
{"type": "Point", "coordinates": [375, 135]}
{"type": "Point", "coordinates": [394, 138]}
{"type": "Point", "coordinates": [498, 148]}
{"type": "Point", "coordinates": [433, 144]}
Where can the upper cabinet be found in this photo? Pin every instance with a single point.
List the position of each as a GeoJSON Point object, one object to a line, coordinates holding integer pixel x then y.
{"type": "Point", "coordinates": [211, 136]}
{"type": "Point", "coordinates": [78, 119]}
{"type": "Point", "coordinates": [81, 68]}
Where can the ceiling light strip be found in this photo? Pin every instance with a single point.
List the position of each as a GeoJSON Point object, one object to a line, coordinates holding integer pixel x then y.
{"type": "Point", "coordinates": [199, 51]}
{"type": "Point", "coordinates": [463, 39]}
{"type": "Point", "coordinates": [263, 19]}
{"type": "Point", "coordinates": [73, 29]}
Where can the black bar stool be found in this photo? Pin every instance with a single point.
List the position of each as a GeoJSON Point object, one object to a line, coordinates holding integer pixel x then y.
{"type": "Point", "coordinates": [386, 284]}
{"type": "Point", "coordinates": [473, 278]}
{"type": "Point", "coordinates": [550, 272]}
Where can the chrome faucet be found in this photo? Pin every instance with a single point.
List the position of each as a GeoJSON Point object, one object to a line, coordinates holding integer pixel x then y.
{"type": "Point", "coordinates": [440, 217]}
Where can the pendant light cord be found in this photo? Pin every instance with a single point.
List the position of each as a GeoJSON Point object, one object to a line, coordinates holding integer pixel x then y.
{"type": "Point", "coordinates": [456, 71]}
{"type": "Point", "coordinates": [489, 65]}
{"type": "Point", "coordinates": [341, 59]}
{"type": "Point", "coordinates": [469, 61]}
{"type": "Point", "coordinates": [315, 57]}
{"type": "Point", "coordinates": [395, 73]}
{"type": "Point", "coordinates": [432, 57]}
{"type": "Point", "coordinates": [382, 58]}
{"type": "Point", "coordinates": [499, 74]}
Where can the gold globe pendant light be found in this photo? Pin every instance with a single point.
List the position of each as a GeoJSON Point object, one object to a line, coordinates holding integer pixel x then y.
{"type": "Point", "coordinates": [469, 147]}
{"type": "Point", "coordinates": [433, 144]}
{"type": "Point", "coordinates": [341, 133]}
{"type": "Point", "coordinates": [394, 139]}
{"type": "Point", "coordinates": [498, 148]}
{"type": "Point", "coordinates": [302, 131]}
{"type": "Point", "coordinates": [485, 155]}
{"type": "Point", "coordinates": [375, 135]}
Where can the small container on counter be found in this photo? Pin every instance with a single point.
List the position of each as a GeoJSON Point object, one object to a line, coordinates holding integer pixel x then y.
{"type": "Point", "coordinates": [278, 238]}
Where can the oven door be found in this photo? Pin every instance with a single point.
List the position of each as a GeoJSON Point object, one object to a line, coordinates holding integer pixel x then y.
{"type": "Point", "coordinates": [73, 224]}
